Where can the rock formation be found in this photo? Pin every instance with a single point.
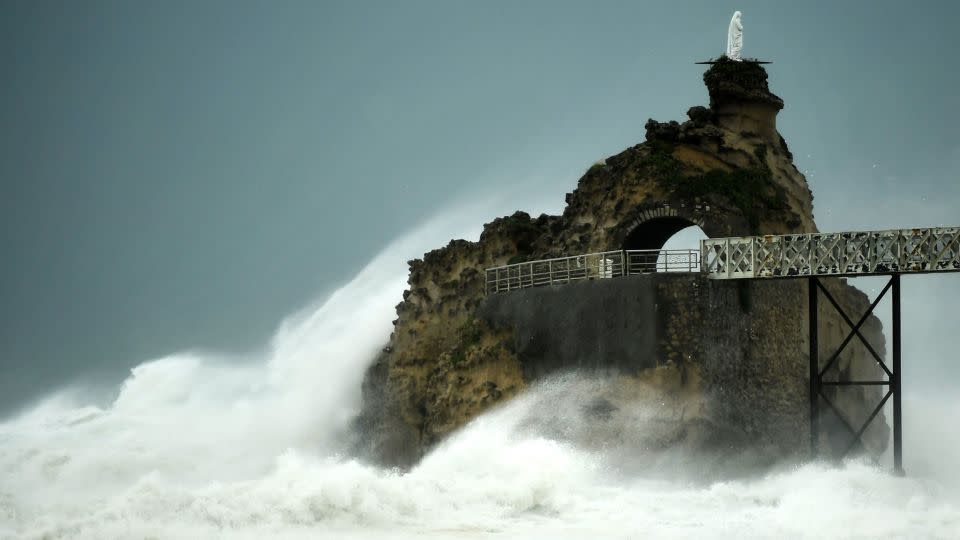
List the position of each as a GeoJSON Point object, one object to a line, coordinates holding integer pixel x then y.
{"type": "Point", "coordinates": [730, 356]}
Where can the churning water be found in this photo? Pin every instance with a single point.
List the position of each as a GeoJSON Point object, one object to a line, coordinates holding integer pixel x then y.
{"type": "Point", "coordinates": [196, 446]}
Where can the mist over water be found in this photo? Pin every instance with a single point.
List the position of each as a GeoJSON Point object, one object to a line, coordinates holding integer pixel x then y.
{"type": "Point", "coordinates": [196, 446]}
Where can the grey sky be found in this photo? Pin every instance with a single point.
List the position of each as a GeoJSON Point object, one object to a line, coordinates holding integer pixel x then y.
{"type": "Point", "coordinates": [183, 174]}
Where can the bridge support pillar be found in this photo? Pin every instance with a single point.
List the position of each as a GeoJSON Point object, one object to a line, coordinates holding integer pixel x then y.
{"type": "Point", "coordinates": [814, 366]}
{"type": "Point", "coordinates": [817, 373]}
{"type": "Point", "coordinates": [895, 380]}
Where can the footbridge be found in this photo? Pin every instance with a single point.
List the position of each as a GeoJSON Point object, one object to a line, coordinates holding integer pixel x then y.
{"type": "Point", "coordinates": [813, 257]}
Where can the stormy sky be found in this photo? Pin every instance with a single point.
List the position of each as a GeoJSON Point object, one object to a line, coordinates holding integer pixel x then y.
{"type": "Point", "coordinates": [181, 175]}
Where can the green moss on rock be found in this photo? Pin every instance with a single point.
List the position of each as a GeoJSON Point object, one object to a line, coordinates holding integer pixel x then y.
{"type": "Point", "coordinates": [750, 190]}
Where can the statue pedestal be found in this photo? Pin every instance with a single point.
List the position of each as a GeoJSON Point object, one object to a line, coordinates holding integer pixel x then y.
{"type": "Point", "coordinates": [740, 97]}
{"type": "Point", "coordinates": [742, 61]}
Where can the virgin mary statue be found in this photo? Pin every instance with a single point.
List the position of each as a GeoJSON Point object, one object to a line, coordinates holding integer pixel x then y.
{"type": "Point", "coordinates": [735, 38]}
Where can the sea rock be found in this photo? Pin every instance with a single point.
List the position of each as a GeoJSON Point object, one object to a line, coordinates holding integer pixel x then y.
{"type": "Point", "coordinates": [732, 356]}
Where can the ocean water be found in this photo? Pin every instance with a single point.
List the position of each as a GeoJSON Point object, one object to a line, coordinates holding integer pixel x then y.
{"type": "Point", "coordinates": [200, 446]}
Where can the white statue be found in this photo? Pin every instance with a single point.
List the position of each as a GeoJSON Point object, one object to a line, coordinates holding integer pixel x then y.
{"type": "Point", "coordinates": [735, 38]}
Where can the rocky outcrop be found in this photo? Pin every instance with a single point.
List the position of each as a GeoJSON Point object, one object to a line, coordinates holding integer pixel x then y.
{"type": "Point", "coordinates": [725, 169]}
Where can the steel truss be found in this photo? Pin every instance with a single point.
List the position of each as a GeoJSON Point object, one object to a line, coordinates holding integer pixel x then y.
{"type": "Point", "coordinates": [898, 251]}
{"type": "Point", "coordinates": [817, 382]}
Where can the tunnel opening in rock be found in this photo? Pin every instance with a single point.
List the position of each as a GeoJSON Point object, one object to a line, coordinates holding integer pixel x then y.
{"type": "Point", "coordinates": [676, 256]}
{"type": "Point", "coordinates": [654, 233]}
{"type": "Point", "coordinates": [673, 236]}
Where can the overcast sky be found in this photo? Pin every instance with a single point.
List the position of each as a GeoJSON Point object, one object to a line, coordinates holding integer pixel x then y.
{"type": "Point", "coordinates": [182, 175]}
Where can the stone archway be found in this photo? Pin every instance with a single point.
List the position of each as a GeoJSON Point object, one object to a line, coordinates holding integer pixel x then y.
{"type": "Point", "coordinates": [651, 229]}
{"type": "Point", "coordinates": [654, 233]}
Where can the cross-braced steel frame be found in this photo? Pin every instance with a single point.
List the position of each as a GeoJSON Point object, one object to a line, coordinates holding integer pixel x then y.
{"type": "Point", "coordinates": [817, 372]}
{"type": "Point", "coordinates": [817, 256]}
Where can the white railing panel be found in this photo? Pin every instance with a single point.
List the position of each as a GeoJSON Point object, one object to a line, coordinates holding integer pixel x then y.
{"type": "Point", "coordinates": [833, 254]}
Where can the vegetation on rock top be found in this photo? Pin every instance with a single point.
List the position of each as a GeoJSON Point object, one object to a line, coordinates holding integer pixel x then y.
{"type": "Point", "coordinates": [748, 75]}
{"type": "Point", "coordinates": [750, 190]}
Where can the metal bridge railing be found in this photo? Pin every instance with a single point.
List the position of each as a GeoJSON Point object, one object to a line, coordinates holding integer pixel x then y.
{"type": "Point", "coordinates": [606, 264]}
{"type": "Point", "coordinates": [663, 260]}
{"type": "Point", "coordinates": [895, 251]}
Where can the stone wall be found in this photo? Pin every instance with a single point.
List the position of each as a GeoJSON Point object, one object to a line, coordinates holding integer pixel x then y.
{"type": "Point", "coordinates": [739, 350]}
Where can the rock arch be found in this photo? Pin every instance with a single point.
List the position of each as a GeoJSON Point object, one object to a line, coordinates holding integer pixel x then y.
{"type": "Point", "coordinates": [651, 228]}
{"type": "Point", "coordinates": [654, 233]}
